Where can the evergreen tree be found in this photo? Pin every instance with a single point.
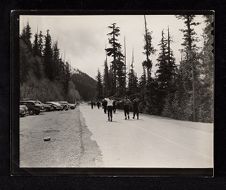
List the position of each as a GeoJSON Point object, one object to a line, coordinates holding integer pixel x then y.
{"type": "Point", "coordinates": [205, 90]}
{"type": "Point", "coordinates": [35, 45]}
{"type": "Point", "coordinates": [61, 71]}
{"type": "Point", "coordinates": [125, 66]}
{"type": "Point", "coordinates": [132, 81]}
{"type": "Point", "coordinates": [40, 43]}
{"type": "Point", "coordinates": [26, 35]}
{"type": "Point", "coordinates": [48, 57]}
{"type": "Point", "coordinates": [167, 109]}
{"type": "Point", "coordinates": [121, 76]}
{"type": "Point", "coordinates": [188, 67]}
{"type": "Point", "coordinates": [162, 73]}
{"type": "Point", "coordinates": [171, 61]}
{"type": "Point", "coordinates": [142, 82]}
{"type": "Point", "coordinates": [56, 57]}
{"type": "Point", "coordinates": [147, 66]}
{"type": "Point", "coordinates": [166, 73]}
{"type": "Point", "coordinates": [148, 50]}
{"type": "Point", "coordinates": [99, 86]}
{"type": "Point", "coordinates": [110, 76]}
{"type": "Point", "coordinates": [115, 52]}
{"type": "Point", "coordinates": [106, 81]}
{"type": "Point", "coordinates": [66, 77]}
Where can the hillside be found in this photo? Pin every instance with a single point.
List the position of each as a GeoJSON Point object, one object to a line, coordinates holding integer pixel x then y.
{"type": "Point", "coordinates": [35, 85]}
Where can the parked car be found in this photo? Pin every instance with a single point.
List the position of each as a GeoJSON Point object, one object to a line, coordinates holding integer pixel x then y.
{"type": "Point", "coordinates": [33, 108]}
{"type": "Point", "coordinates": [48, 107]}
{"type": "Point", "coordinates": [64, 104]}
{"type": "Point", "coordinates": [55, 105]}
{"type": "Point", "coordinates": [72, 106]}
{"type": "Point", "coordinates": [42, 106]}
{"type": "Point", "coordinates": [45, 107]}
{"type": "Point", "coordinates": [23, 110]}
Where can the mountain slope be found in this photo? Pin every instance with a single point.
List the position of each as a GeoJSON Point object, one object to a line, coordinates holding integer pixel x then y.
{"type": "Point", "coordinates": [35, 85]}
{"type": "Point", "coordinates": [85, 84]}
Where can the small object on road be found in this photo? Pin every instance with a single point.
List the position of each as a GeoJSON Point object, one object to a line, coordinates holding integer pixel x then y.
{"type": "Point", "coordinates": [47, 139]}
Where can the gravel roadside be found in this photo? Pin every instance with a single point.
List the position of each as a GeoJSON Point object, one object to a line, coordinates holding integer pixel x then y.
{"type": "Point", "coordinates": [70, 142]}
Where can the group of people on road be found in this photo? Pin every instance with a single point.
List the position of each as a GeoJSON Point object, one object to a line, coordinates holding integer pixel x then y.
{"type": "Point", "coordinates": [98, 104]}
{"type": "Point", "coordinates": [109, 105]}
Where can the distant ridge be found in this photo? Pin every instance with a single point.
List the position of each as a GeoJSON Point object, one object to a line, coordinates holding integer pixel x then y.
{"type": "Point", "coordinates": [85, 84]}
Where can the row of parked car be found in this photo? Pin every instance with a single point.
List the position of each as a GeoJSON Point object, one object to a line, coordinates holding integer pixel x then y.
{"type": "Point", "coordinates": [34, 107]}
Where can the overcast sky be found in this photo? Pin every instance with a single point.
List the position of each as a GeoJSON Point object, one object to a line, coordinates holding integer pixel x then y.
{"type": "Point", "coordinates": [83, 38]}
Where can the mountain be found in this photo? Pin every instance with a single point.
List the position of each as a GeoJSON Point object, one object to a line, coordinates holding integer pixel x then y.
{"type": "Point", "coordinates": [85, 84]}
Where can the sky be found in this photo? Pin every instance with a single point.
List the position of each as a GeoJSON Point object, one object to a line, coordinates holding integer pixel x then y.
{"type": "Point", "coordinates": [83, 38]}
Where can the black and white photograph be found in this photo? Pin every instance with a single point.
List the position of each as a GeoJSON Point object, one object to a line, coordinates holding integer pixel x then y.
{"type": "Point", "coordinates": [116, 91]}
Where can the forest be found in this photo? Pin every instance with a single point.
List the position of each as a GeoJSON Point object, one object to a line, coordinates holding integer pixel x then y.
{"type": "Point", "coordinates": [181, 90]}
{"type": "Point", "coordinates": [45, 75]}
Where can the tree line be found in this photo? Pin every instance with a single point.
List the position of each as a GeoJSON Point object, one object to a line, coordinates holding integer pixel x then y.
{"type": "Point", "coordinates": [55, 68]}
{"type": "Point", "coordinates": [181, 91]}
{"type": "Point", "coordinates": [44, 73]}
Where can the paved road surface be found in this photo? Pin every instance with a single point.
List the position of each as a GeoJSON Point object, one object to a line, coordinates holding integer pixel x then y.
{"type": "Point", "coordinates": [151, 141]}
{"type": "Point", "coordinates": [84, 138]}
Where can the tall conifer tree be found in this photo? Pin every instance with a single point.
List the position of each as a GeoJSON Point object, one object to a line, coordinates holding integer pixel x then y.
{"type": "Point", "coordinates": [40, 43]}
{"type": "Point", "coordinates": [205, 93]}
{"type": "Point", "coordinates": [132, 81]}
{"type": "Point", "coordinates": [106, 82]}
{"type": "Point", "coordinates": [115, 52]}
{"type": "Point", "coordinates": [148, 50]}
{"type": "Point", "coordinates": [26, 35]}
{"type": "Point", "coordinates": [99, 86]}
{"type": "Point", "coordinates": [48, 57]}
{"type": "Point", "coordinates": [56, 57]}
{"type": "Point", "coordinates": [35, 45]}
{"type": "Point", "coordinates": [165, 73]}
{"type": "Point", "coordinates": [189, 65]}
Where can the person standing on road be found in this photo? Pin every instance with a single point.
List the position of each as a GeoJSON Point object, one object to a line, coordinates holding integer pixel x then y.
{"type": "Point", "coordinates": [114, 106]}
{"type": "Point", "coordinates": [136, 108]}
{"type": "Point", "coordinates": [109, 108]}
{"type": "Point", "coordinates": [98, 104]}
{"type": "Point", "coordinates": [126, 107]}
{"type": "Point", "coordinates": [104, 104]}
{"type": "Point", "coordinates": [92, 104]}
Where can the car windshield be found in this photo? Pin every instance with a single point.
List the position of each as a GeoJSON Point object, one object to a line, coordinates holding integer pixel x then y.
{"type": "Point", "coordinates": [63, 102]}
{"type": "Point", "coordinates": [55, 103]}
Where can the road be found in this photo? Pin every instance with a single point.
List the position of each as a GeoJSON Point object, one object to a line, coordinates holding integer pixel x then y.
{"type": "Point", "coordinates": [151, 141]}
{"type": "Point", "coordinates": [84, 138]}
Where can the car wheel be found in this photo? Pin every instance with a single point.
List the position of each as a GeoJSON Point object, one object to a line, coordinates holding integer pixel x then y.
{"type": "Point", "coordinates": [37, 113]}
{"type": "Point", "coordinates": [31, 112]}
